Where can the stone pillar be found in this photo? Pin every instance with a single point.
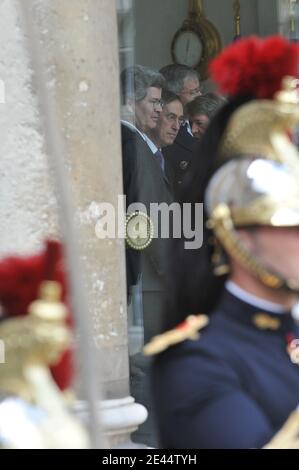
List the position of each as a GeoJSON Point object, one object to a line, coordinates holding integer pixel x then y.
{"type": "Point", "coordinates": [80, 50]}
{"type": "Point", "coordinates": [27, 202]}
{"type": "Point", "coordinates": [79, 44]}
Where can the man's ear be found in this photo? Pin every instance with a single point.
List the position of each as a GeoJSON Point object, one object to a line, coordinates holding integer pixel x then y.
{"type": "Point", "coordinates": [130, 105]}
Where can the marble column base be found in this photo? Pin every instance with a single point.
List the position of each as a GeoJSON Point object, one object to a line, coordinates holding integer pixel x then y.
{"type": "Point", "coordinates": [119, 418]}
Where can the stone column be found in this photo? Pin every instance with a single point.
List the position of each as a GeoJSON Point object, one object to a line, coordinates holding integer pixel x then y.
{"type": "Point", "coordinates": [81, 57]}
{"type": "Point", "coordinates": [80, 50]}
{"type": "Point", "coordinates": [27, 203]}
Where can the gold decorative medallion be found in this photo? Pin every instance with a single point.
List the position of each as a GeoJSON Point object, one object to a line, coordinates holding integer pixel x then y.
{"type": "Point", "coordinates": [139, 230]}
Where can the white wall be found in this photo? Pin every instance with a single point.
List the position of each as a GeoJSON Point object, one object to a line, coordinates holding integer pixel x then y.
{"type": "Point", "coordinates": [221, 14]}
{"type": "Point", "coordinates": [156, 22]}
{"type": "Point", "coordinates": [268, 17]}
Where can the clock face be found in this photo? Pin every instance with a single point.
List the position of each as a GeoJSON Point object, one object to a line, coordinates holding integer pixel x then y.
{"type": "Point", "coordinates": [188, 48]}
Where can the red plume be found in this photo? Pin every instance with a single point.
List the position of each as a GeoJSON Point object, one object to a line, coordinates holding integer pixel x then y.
{"type": "Point", "coordinates": [255, 66]}
{"type": "Point", "coordinates": [20, 278]}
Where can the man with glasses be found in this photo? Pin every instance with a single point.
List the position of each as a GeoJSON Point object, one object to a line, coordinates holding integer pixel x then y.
{"type": "Point", "coordinates": [145, 182]}
{"type": "Point", "coordinates": [144, 179]}
{"type": "Point", "coordinates": [170, 121]}
{"type": "Point", "coordinates": [184, 82]}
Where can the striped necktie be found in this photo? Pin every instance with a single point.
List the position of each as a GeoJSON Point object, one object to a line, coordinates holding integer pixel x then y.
{"type": "Point", "coordinates": [160, 157]}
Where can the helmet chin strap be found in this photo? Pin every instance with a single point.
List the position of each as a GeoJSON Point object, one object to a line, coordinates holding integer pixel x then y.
{"type": "Point", "coordinates": [222, 224]}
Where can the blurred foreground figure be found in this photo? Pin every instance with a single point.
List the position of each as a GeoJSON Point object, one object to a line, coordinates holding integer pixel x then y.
{"type": "Point", "coordinates": [236, 385]}
{"type": "Point", "coordinates": [35, 335]}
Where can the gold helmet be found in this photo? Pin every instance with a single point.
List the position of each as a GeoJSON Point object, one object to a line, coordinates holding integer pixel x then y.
{"type": "Point", "coordinates": [264, 193]}
{"type": "Point", "coordinates": [257, 183]}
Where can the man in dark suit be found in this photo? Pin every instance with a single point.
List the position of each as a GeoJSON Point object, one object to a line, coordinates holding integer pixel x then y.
{"type": "Point", "coordinates": [146, 183]}
{"type": "Point", "coordinates": [237, 384]}
{"type": "Point", "coordinates": [168, 127]}
{"type": "Point", "coordinates": [184, 82]}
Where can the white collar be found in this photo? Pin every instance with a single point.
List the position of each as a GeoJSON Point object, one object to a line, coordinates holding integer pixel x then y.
{"type": "Point", "coordinates": [189, 130]}
{"type": "Point", "coordinates": [132, 127]}
{"type": "Point", "coordinates": [149, 142]}
{"type": "Point", "coordinates": [253, 300]}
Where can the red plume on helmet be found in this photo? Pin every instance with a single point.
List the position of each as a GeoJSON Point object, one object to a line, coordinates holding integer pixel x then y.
{"type": "Point", "coordinates": [20, 279]}
{"type": "Point", "coordinates": [255, 66]}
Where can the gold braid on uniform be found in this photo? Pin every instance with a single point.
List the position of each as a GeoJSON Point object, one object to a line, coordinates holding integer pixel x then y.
{"type": "Point", "coordinates": [186, 330]}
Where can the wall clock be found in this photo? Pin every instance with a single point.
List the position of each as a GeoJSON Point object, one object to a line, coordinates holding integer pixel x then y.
{"type": "Point", "coordinates": [197, 41]}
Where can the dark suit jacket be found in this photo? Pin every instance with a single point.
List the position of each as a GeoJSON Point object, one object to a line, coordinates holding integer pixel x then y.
{"type": "Point", "coordinates": [144, 182]}
{"type": "Point", "coordinates": [179, 158]}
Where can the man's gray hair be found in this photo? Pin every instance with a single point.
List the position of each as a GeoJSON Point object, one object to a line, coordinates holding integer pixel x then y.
{"type": "Point", "coordinates": [207, 105]}
{"type": "Point", "coordinates": [136, 80]}
{"type": "Point", "coordinates": [169, 97]}
{"type": "Point", "coordinates": [175, 76]}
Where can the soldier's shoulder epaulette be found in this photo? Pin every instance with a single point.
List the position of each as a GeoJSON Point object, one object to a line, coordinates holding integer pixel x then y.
{"type": "Point", "coordinates": [188, 329]}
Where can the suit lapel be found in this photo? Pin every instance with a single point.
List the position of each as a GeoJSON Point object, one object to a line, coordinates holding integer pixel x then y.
{"type": "Point", "coordinates": [184, 139]}
{"type": "Point", "coordinates": [141, 143]}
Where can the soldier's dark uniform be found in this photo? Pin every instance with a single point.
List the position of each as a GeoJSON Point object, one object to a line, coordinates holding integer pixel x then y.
{"type": "Point", "coordinates": [238, 383]}
{"type": "Point", "coordinates": [234, 387]}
